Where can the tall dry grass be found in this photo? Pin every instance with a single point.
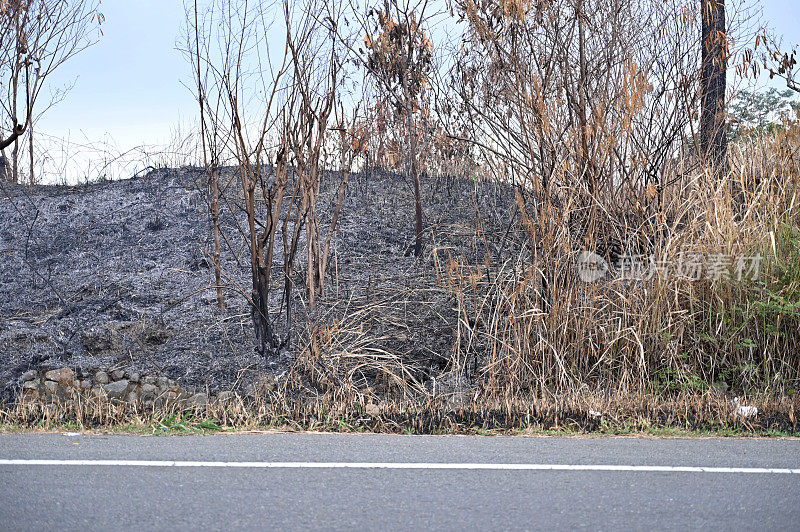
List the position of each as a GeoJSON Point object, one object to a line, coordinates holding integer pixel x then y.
{"type": "Point", "coordinates": [529, 327]}
{"type": "Point", "coordinates": [545, 330]}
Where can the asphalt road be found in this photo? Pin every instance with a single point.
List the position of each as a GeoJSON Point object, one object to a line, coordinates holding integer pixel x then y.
{"type": "Point", "coordinates": [394, 482]}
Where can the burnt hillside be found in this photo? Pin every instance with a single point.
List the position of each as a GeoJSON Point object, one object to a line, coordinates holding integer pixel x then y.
{"type": "Point", "coordinates": [118, 275]}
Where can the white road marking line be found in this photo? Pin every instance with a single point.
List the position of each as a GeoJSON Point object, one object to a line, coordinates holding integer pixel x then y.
{"type": "Point", "coordinates": [399, 465]}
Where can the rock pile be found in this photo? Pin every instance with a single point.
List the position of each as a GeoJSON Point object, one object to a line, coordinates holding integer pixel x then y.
{"type": "Point", "coordinates": [63, 384]}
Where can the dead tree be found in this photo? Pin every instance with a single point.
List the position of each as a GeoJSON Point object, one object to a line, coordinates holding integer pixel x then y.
{"type": "Point", "coordinates": [713, 139]}
{"type": "Point", "coordinates": [399, 58]}
{"type": "Point", "coordinates": [273, 116]}
{"type": "Point", "coordinates": [769, 54]}
{"type": "Point", "coordinates": [210, 135]}
{"type": "Point", "coordinates": [37, 37]}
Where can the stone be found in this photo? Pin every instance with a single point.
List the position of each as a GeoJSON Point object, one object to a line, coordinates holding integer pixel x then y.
{"type": "Point", "coordinates": [62, 376]}
{"type": "Point", "coordinates": [133, 377]}
{"type": "Point", "coordinates": [30, 385]}
{"type": "Point", "coordinates": [51, 386]}
{"type": "Point", "coordinates": [148, 379]}
{"type": "Point", "coordinates": [118, 375]}
{"type": "Point", "coordinates": [132, 398]}
{"type": "Point", "coordinates": [112, 339]}
{"type": "Point", "coordinates": [86, 384]}
{"type": "Point", "coordinates": [148, 391]}
{"type": "Point", "coordinates": [199, 399]}
{"type": "Point", "coordinates": [98, 391]}
{"type": "Point", "coordinates": [172, 398]}
{"type": "Point", "coordinates": [117, 388]}
{"type": "Point", "coordinates": [30, 394]}
{"type": "Point", "coordinates": [163, 383]}
{"type": "Point", "coordinates": [102, 377]}
{"type": "Point", "coordinates": [30, 375]}
{"type": "Point", "coordinates": [224, 396]}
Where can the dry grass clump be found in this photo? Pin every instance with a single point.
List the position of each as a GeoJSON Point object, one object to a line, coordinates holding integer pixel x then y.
{"type": "Point", "coordinates": [526, 327]}
{"type": "Point", "coordinates": [284, 407]}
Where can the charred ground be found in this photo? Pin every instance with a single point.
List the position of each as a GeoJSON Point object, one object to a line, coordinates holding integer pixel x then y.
{"type": "Point", "coordinates": [119, 274]}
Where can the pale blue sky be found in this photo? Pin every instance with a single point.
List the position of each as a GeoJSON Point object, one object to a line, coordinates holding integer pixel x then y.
{"type": "Point", "coordinates": [128, 85]}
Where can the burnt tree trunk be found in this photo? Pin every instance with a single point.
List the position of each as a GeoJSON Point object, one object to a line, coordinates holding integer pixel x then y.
{"type": "Point", "coordinates": [266, 340]}
{"type": "Point", "coordinates": [214, 184]}
{"type": "Point", "coordinates": [713, 140]}
{"type": "Point", "coordinates": [413, 165]}
{"type": "Point", "coordinates": [417, 198]}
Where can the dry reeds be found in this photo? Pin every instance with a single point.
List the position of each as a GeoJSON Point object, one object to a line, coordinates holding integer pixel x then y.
{"type": "Point", "coordinates": [284, 409]}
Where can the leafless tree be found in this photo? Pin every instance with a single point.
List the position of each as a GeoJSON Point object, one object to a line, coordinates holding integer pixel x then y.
{"type": "Point", "coordinates": [38, 36]}
{"type": "Point", "coordinates": [585, 105]}
{"type": "Point", "coordinates": [272, 118]}
{"type": "Point", "coordinates": [213, 135]}
{"type": "Point", "coordinates": [769, 54]}
{"type": "Point", "coordinates": [399, 58]}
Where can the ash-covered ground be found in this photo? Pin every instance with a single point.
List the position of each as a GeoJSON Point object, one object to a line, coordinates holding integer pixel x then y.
{"type": "Point", "coordinates": [119, 274]}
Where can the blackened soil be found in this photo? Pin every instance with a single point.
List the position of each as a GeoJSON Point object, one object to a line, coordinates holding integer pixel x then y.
{"type": "Point", "coordinates": [119, 274]}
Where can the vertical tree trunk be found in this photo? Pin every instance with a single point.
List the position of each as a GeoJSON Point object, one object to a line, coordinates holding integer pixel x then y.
{"type": "Point", "coordinates": [583, 120]}
{"type": "Point", "coordinates": [217, 245]}
{"type": "Point", "coordinates": [414, 170]}
{"type": "Point", "coordinates": [345, 167]}
{"type": "Point", "coordinates": [14, 86]}
{"type": "Point", "coordinates": [15, 162]}
{"type": "Point", "coordinates": [265, 336]}
{"type": "Point", "coordinates": [213, 172]}
{"type": "Point", "coordinates": [417, 198]}
{"type": "Point", "coordinates": [311, 233]}
{"type": "Point", "coordinates": [713, 140]}
{"type": "Point", "coordinates": [30, 149]}
{"type": "Point", "coordinates": [4, 174]}
{"type": "Point", "coordinates": [30, 125]}
{"type": "Point", "coordinates": [15, 149]}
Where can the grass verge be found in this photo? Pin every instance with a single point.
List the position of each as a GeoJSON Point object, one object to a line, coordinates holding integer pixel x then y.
{"type": "Point", "coordinates": [686, 415]}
